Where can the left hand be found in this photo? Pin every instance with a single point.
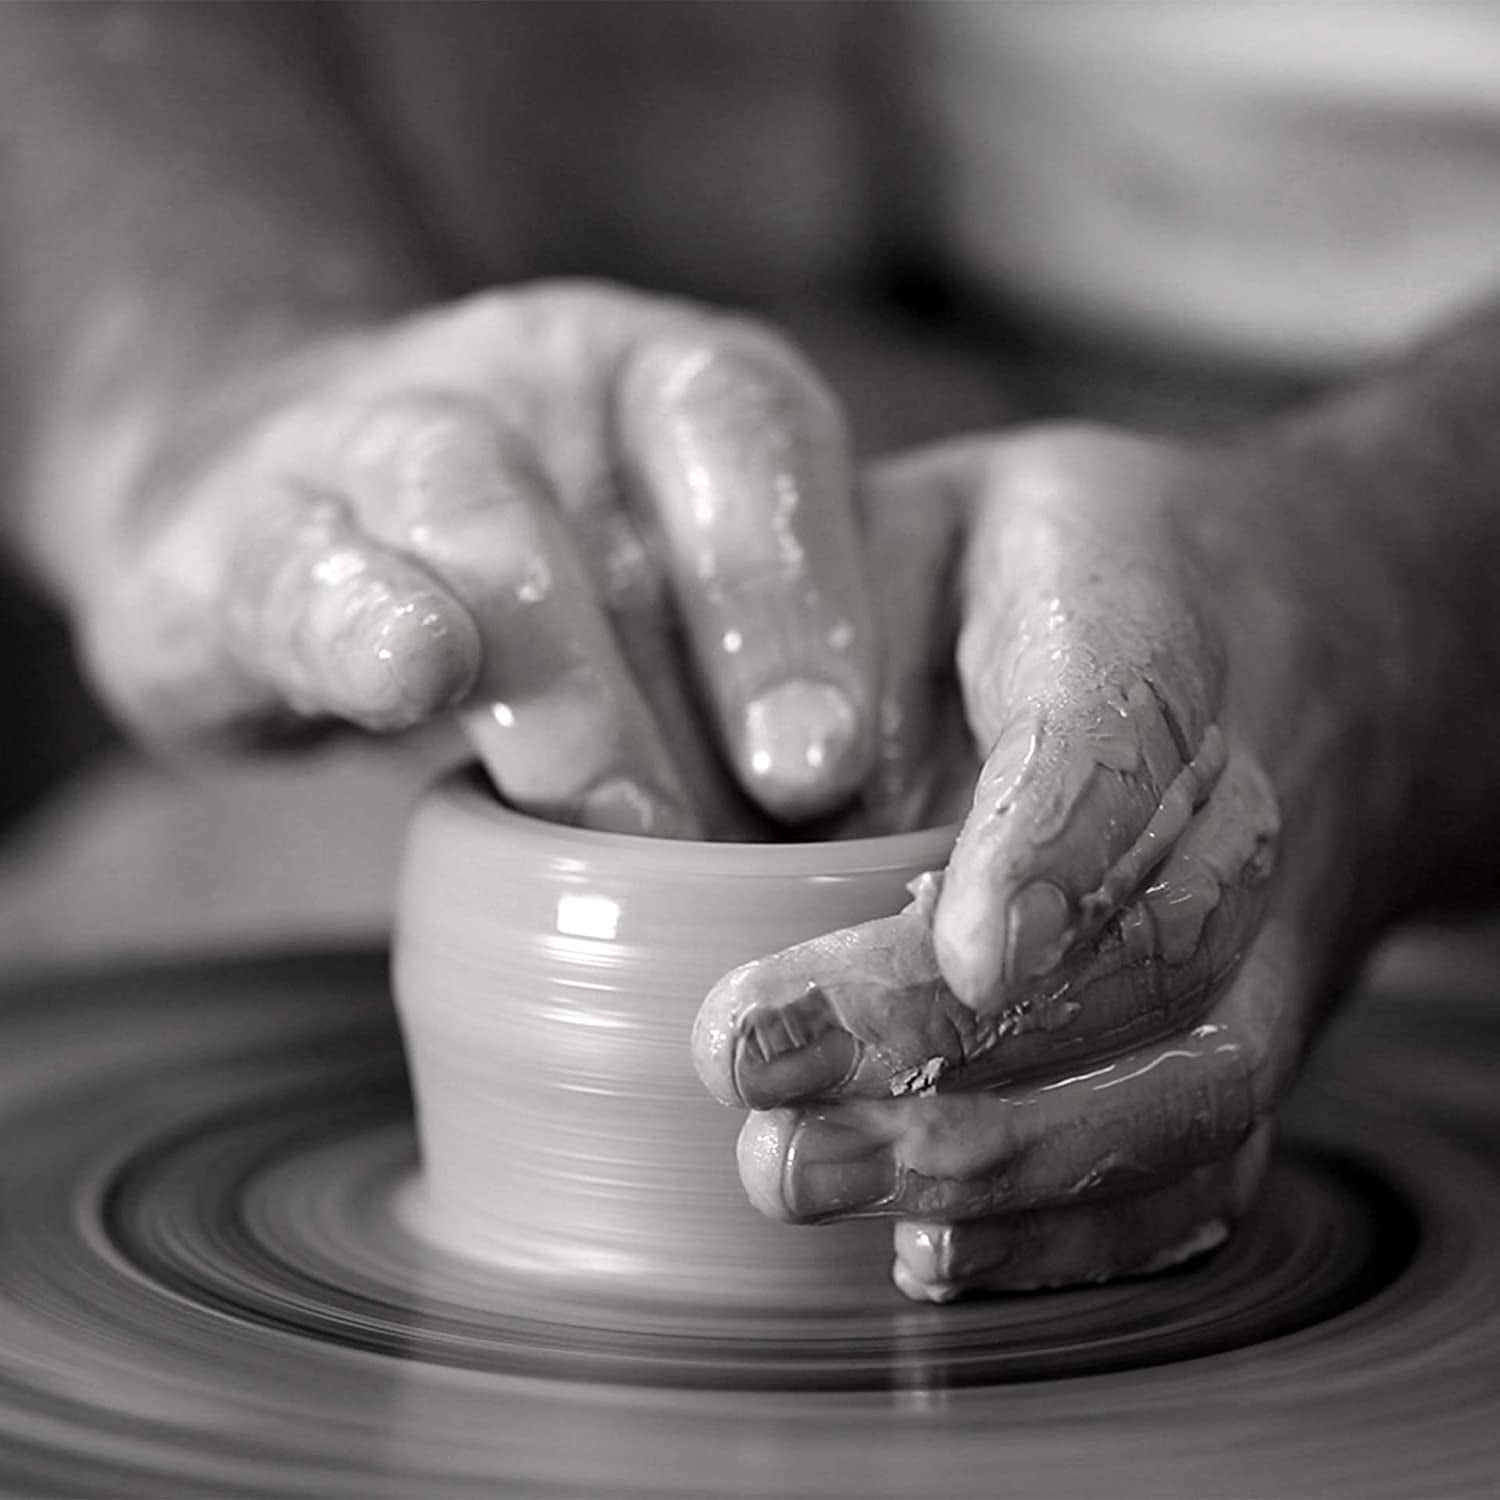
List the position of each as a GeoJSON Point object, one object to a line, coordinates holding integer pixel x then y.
{"type": "Point", "coordinates": [1058, 1064]}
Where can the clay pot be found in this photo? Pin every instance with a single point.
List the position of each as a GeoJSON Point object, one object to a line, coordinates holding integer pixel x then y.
{"type": "Point", "coordinates": [547, 979]}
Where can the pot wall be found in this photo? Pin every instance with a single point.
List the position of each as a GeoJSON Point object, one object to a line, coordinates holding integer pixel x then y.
{"type": "Point", "coordinates": [547, 980]}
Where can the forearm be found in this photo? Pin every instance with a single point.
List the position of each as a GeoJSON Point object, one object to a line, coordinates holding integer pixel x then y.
{"type": "Point", "coordinates": [1385, 500]}
{"type": "Point", "coordinates": [184, 197]}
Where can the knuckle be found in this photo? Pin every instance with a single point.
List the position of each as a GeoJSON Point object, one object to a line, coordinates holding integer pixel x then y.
{"type": "Point", "coordinates": [1055, 462]}
{"type": "Point", "coordinates": [565, 322]}
{"type": "Point", "coordinates": [713, 365]}
{"type": "Point", "coordinates": [536, 316]}
{"type": "Point", "coordinates": [488, 313]}
{"type": "Point", "coordinates": [581, 297]}
{"type": "Point", "coordinates": [755, 346]}
{"type": "Point", "coordinates": [409, 430]}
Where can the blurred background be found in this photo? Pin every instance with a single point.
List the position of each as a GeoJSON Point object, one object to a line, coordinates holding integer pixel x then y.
{"type": "Point", "coordinates": [1171, 215]}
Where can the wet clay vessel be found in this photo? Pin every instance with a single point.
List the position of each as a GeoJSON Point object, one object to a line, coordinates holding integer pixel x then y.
{"type": "Point", "coordinates": [547, 980]}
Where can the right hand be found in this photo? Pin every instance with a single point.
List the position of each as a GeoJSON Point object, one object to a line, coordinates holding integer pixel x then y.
{"type": "Point", "coordinates": [503, 505]}
{"type": "Point", "coordinates": [1061, 1062]}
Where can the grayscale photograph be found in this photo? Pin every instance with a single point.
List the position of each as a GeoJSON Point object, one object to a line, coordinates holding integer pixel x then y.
{"type": "Point", "coordinates": [754, 749]}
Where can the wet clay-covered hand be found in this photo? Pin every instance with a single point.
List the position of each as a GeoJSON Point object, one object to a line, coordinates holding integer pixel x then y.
{"type": "Point", "coordinates": [1059, 1063]}
{"type": "Point", "coordinates": [546, 508]}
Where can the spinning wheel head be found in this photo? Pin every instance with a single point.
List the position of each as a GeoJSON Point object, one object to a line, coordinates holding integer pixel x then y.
{"type": "Point", "coordinates": [215, 1280]}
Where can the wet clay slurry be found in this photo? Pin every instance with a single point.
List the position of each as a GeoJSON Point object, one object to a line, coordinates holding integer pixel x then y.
{"type": "Point", "coordinates": [548, 979]}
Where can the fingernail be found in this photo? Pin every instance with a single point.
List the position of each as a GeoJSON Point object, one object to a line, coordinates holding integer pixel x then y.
{"type": "Point", "coordinates": [792, 1053]}
{"type": "Point", "coordinates": [799, 742]}
{"type": "Point", "coordinates": [397, 663]}
{"type": "Point", "coordinates": [832, 1170]}
{"type": "Point", "coordinates": [431, 653]}
{"type": "Point", "coordinates": [1037, 931]}
{"type": "Point", "coordinates": [620, 805]}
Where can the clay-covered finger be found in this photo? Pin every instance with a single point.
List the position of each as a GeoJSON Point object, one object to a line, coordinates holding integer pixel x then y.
{"type": "Point", "coordinates": [863, 1012]}
{"type": "Point", "coordinates": [554, 712]}
{"type": "Point", "coordinates": [739, 457]}
{"type": "Point", "coordinates": [1123, 1125]}
{"type": "Point", "coordinates": [924, 766]}
{"type": "Point", "coordinates": [866, 1012]}
{"type": "Point", "coordinates": [336, 623]}
{"type": "Point", "coordinates": [1131, 1234]}
{"type": "Point", "coordinates": [1092, 686]}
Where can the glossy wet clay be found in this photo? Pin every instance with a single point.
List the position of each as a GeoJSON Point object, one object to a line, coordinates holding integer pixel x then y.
{"type": "Point", "coordinates": [547, 979]}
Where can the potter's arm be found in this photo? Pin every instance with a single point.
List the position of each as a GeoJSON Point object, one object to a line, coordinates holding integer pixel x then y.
{"type": "Point", "coordinates": [1385, 498]}
{"type": "Point", "coordinates": [183, 199]}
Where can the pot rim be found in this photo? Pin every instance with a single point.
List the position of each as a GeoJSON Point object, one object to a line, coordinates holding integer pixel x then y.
{"type": "Point", "coordinates": [465, 794]}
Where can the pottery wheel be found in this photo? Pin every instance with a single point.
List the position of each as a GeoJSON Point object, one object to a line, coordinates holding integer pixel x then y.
{"type": "Point", "coordinates": [213, 1280]}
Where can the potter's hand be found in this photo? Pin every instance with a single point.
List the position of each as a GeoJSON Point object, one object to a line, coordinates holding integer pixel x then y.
{"type": "Point", "coordinates": [488, 505]}
{"type": "Point", "coordinates": [1056, 1064]}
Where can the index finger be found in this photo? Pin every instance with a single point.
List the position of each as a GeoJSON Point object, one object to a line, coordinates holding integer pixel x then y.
{"type": "Point", "coordinates": [553, 711]}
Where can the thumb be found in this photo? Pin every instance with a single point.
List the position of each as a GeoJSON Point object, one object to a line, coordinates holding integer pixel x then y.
{"type": "Point", "coordinates": [1091, 684]}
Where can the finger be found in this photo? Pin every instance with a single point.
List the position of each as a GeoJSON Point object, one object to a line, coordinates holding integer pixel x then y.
{"type": "Point", "coordinates": [862, 1012]}
{"type": "Point", "coordinates": [924, 766]}
{"type": "Point", "coordinates": [739, 455]}
{"type": "Point", "coordinates": [1122, 1126]}
{"type": "Point", "coordinates": [1133, 1234]}
{"type": "Point", "coordinates": [630, 585]}
{"type": "Point", "coordinates": [331, 622]}
{"type": "Point", "coordinates": [554, 712]}
{"type": "Point", "coordinates": [866, 1013]}
{"type": "Point", "coordinates": [1092, 687]}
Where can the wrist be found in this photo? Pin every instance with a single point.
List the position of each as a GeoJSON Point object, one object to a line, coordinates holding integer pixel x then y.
{"type": "Point", "coordinates": [1369, 609]}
